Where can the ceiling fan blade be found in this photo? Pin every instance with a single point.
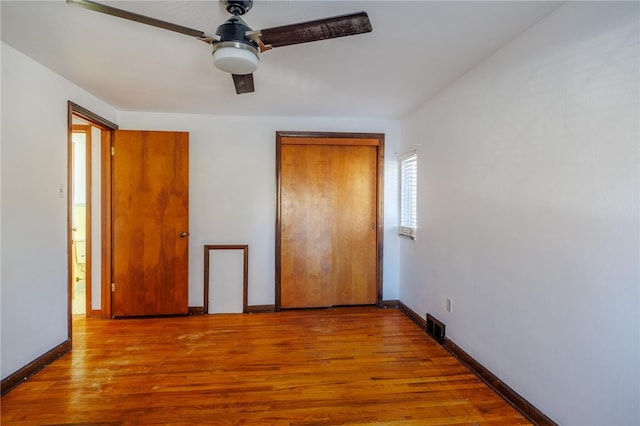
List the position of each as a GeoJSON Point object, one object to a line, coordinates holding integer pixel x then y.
{"type": "Point", "coordinates": [243, 83]}
{"type": "Point", "coordinates": [109, 10]}
{"type": "Point", "coordinates": [321, 29]}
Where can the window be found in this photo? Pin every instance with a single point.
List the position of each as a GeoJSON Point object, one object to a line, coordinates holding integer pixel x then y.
{"type": "Point", "coordinates": [408, 194]}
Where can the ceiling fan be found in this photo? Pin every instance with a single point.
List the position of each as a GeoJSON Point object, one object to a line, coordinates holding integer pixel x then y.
{"type": "Point", "coordinates": [236, 46]}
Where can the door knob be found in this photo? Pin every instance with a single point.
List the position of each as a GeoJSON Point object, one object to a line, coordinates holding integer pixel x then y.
{"type": "Point", "coordinates": [183, 234]}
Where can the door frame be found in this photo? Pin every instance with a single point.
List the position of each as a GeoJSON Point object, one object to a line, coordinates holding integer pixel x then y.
{"type": "Point", "coordinates": [349, 139]}
{"type": "Point", "coordinates": [107, 127]}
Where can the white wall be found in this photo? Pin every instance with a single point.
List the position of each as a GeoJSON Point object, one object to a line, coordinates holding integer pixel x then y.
{"type": "Point", "coordinates": [34, 217]}
{"type": "Point", "coordinates": [528, 214]}
{"type": "Point", "coordinates": [233, 184]}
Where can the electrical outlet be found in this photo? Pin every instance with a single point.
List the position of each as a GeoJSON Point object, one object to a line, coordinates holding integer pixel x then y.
{"type": "Point", "coordinates": [449, 305]}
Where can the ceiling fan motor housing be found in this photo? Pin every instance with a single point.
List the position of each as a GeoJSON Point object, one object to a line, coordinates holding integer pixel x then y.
{"type": "Point", "coordinates": [235, 29]}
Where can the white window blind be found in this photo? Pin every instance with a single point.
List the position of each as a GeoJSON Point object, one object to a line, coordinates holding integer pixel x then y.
{"type": "Point", "coordinates": [408, 194]}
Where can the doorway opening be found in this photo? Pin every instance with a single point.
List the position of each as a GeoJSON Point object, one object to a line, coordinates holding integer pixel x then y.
{"type": "Point", "coordinates": [81, 219]}
{"type": "Point", "coordinates": [88, 136]}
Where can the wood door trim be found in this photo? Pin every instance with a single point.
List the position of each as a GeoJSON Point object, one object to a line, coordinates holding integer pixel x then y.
{"type": "Point", "coordinates": [103, 123]}
{"type": "Point", "coordinates": [245, 279]}
{"type": "Point", "coordinates": [339, 141]}
{"type": "Point", "coordinates": [107, 128]}
{"type": "Point", "coordinates": [331, 135]}
{"type": "Point", "coordinates": [331, 138]}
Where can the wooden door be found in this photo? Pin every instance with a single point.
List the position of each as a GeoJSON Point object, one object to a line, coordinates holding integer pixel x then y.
{"type": "Point", "coordinates": [306, 234]}
{"type": "Point", "coordinates": [150, 190]}
{"type": "Point", "coordinates": [328, 239]}
{"type": "Point", "coordinates": [354, 257]}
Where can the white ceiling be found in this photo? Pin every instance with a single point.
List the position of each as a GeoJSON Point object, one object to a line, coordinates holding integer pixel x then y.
{"type": "Point", "coordinates": [416, 49]}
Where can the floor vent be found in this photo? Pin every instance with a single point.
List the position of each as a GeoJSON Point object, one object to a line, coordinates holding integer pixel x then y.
{"type": "Point", "coordinates": [435, 328]}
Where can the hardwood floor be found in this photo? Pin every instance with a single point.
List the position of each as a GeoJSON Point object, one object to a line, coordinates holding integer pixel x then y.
{"type": "Point", "coordinates": [312, 367]}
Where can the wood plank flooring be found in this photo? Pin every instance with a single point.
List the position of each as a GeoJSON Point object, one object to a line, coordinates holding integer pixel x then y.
{"type": "Point", "coordinates": [311, 367]}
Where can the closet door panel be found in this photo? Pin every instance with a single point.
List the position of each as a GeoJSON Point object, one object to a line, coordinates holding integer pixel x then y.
{"type": "Point", "coordinates": [328, 203]}
{"type": "Point", "coordinates": [306, 212]}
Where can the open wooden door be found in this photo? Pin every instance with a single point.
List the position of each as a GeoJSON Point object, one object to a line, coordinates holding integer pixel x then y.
{"type": "Point", "coordinates": [329, 233]}
{"type": "Point", "coordinates": [150, 223]}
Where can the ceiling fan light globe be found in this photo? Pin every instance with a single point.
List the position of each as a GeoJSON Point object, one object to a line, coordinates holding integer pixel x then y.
{"type": "Point", "coordinates": [235, 61]}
